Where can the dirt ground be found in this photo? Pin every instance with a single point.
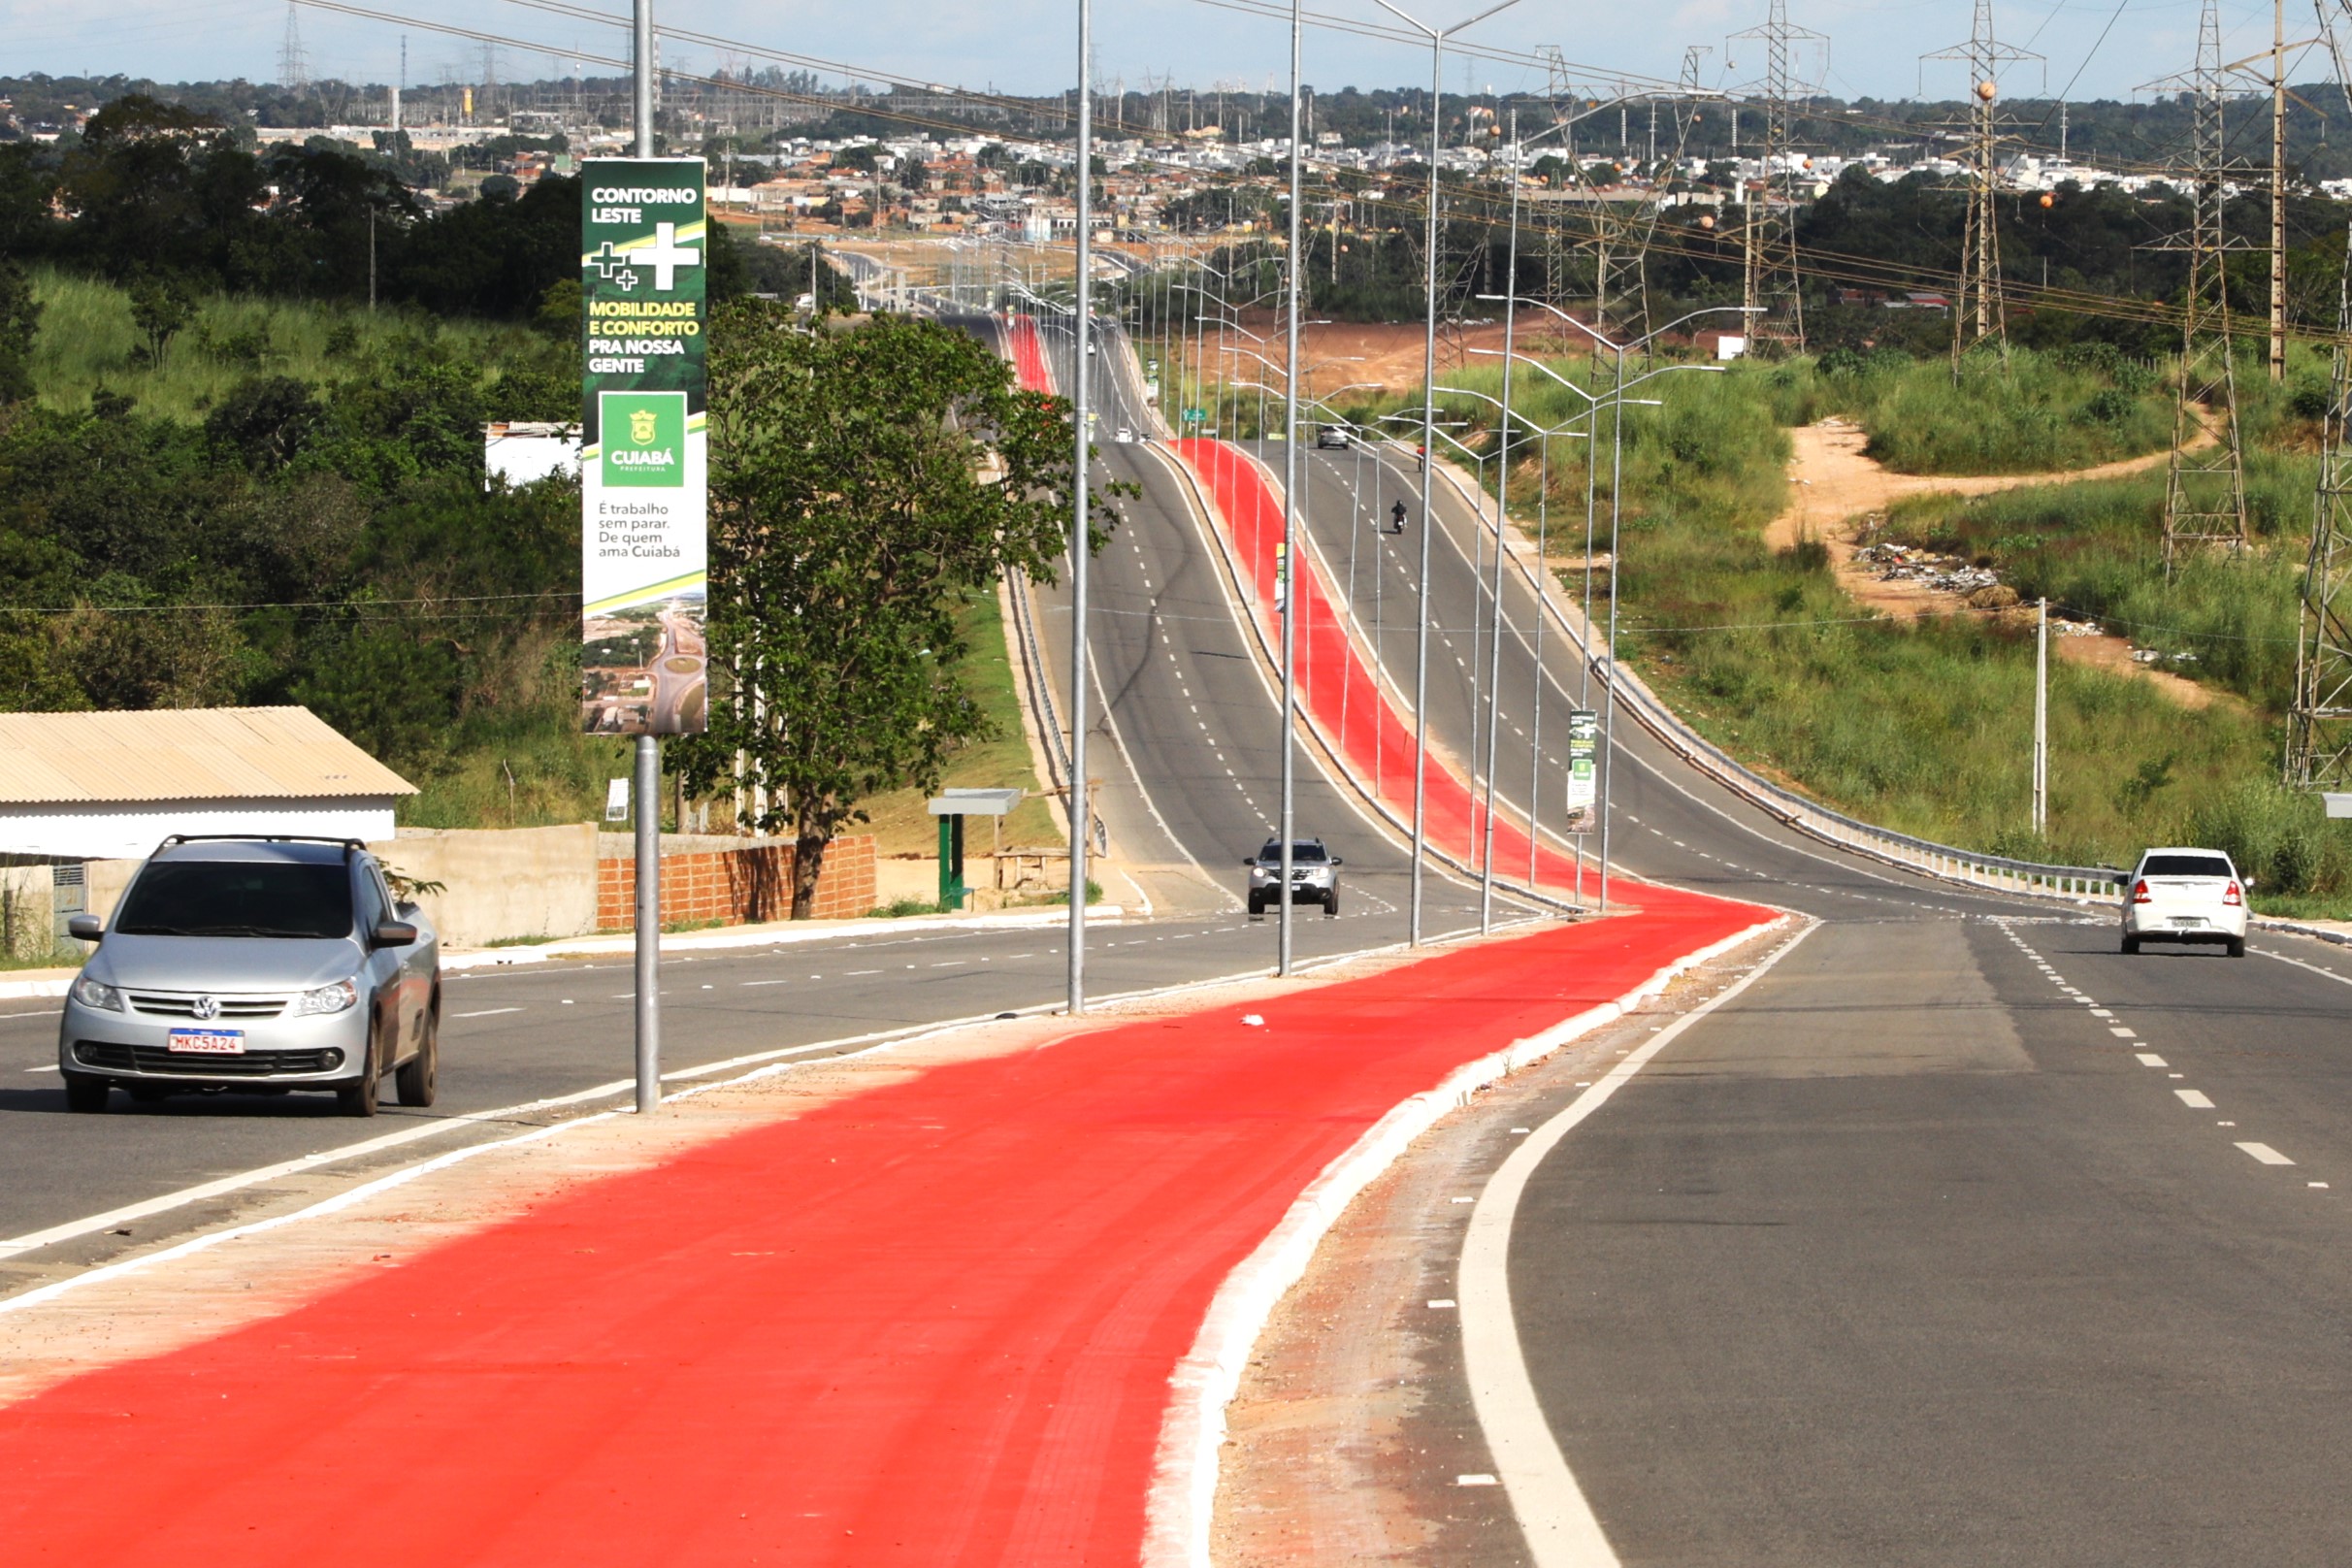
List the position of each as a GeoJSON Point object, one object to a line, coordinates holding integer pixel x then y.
{"type": "Point", "coordinates": [1834, 486]}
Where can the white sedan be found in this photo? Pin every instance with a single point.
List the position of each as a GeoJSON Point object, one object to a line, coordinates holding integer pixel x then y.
{"type": "Point", "coordinates": [2185, 896]}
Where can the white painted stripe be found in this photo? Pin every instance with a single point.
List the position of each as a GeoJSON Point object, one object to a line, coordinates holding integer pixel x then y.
{"type": "Point", "coordinates": [2149, 1059]}
{"type": "Point", "coordinates": [487, 1012]}
{"type": "Point", "coordinates": [2265, 1154]}
{"type": "Point", "coordinates": [2195, 1099]}
{"type": "Point", "coordinates": [2120, 1031]}
{"type": "Point", "coordinates": [1553, 1512]}
{"type": "Point", "coordinates": [1474, 1481]}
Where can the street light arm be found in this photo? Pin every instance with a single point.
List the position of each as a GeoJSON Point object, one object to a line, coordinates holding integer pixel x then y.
{"type": "Point", "coordinates": [1537, 364]}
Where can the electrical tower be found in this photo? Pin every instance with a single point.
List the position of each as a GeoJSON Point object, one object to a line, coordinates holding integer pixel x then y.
{"type": "Point", "coordinates": [2204, 497]}
{"type": "Point", "coordinates": [1622, 231]}
{"type": "Point", "coordinates": [1977, 309]}
{"type": "Point", "coordinates": [1770, 286]}
{"type": "Point", "coordinates": [293, 65]}
{"type": "Point", "coordinates": [2319, 726]}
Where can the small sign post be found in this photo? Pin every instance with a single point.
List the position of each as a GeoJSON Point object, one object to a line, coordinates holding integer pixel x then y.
{"type": "Point", "coordinates": [1584, 747]}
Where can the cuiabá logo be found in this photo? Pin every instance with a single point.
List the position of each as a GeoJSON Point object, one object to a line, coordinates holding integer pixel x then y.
{"type": "Point", "coordinates": [643, 435]}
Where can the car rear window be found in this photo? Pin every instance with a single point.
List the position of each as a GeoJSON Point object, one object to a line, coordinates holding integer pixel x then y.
{"type": "Point", "coordinates": [237, 898]}
{"type": "Point", "coordinates": [2184, 865]}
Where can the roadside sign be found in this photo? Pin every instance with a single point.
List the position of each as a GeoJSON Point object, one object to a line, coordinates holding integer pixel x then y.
{"type": "Point", "coordinates": [1584, 748]}
{"type": "Point", "coordinates": [1193, 416]}
{"type": "Point", "coordinates": [1282, 575]}
{"type": "Point", "coordinates": [644, 468]}
{"type": "Point", "coordinates": [616, 799]}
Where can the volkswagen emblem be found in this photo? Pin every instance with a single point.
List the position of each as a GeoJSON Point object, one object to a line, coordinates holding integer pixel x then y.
{"type": "Point", "coordinates": [207, 1007]}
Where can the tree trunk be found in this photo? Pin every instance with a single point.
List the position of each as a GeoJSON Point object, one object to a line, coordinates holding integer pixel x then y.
{"type": "Point", "coordinates": [807, 863]}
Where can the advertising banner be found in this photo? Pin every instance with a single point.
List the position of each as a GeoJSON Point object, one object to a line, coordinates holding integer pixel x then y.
{"type": "Point", "coordinates": [644, 474]}
{"type": "Point", "coordinates": [1584, 751]}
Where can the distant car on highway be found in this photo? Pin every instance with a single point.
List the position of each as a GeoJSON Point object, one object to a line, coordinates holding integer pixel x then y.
{"type": "Point", "coordinates": [1314, 875]}
{"type": "Point", "coordinates": [260, 965]}
{"type": "Point", "coordinates": [1125, 436]}
{"type": "Point", "coordinates": [1332, 436]}
{"type": "Point", "coordinates": [2181, 894]}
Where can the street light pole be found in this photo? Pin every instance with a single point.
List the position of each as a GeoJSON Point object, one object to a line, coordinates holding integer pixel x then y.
{"type": "Point", "coordinates": [1080, 536]}
{"type": "Point", "coordinates": [1290, 517]}
{"type": "Point", "coordinates": [1437, 37]}
{"type": "Point", "coordinates": [1502, 513]}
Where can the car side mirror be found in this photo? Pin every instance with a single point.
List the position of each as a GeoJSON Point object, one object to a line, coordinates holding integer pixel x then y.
{"type": "Point", "coordinates": [85, 927]}
{"type": "Point", "coordinates": [1337, 861]}
{"type": "Point", "coordinates": [1250, 863]}
{"type": "Point", "coordinates": [393, 934]}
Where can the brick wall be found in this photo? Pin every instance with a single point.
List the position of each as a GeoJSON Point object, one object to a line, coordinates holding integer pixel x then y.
{"type": "Point", "coordinates": [704, 880]}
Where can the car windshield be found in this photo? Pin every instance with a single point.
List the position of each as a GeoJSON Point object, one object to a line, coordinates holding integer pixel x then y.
{"type": "Point", "coordinates": [2184, 865]}
{"type": "Point", "coordinates": [1300, 853]}
{"type": "Point", "coordinates": [237, 898]}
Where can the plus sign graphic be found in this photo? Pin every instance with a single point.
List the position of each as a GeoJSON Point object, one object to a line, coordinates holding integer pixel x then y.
{"type": "Point", "coordinates": [666, 256]}
{"type": "Point", "coordinates": [615, 266]}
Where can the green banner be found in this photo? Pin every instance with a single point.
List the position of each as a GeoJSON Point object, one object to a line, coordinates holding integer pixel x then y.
{"type": "Point", "coordinates": [1584, 750]}
{"type": "Point", "coordinates": [644, 462]}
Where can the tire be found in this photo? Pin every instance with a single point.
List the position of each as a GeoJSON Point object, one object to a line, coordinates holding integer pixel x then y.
{"type": "Point", "coordinates": [415, 1077]}
{"type": "Point", "coordinates": [2131, 944]}
{"type": "Point", "coordinates": [1331, 903]}
{"type": "Point", "coordinates": [1256, 908]}
{"type": "Point", "coordinates": [2238, 947]}
{"type": "Point", "coordinates": [85, 1095]}
{"type": "Point", "coordinates": [361, 1095]}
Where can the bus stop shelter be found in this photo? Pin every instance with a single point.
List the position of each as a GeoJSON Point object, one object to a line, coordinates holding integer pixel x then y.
{"type": "Point", "coordinates": [951, 807]}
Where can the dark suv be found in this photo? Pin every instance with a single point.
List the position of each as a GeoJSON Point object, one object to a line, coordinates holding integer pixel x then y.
{"type": "Point", "coordinates": [1314, 875]}
{"type": "Point", "coordinates": [261, 964]}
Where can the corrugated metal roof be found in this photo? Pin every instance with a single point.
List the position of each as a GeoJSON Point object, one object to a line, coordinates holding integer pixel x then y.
{"type": "Point", "coordinates": [184, 754]}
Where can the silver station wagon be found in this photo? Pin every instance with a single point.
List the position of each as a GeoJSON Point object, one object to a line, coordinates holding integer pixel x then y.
{"type": "Point", "coordinates": [256, 964]}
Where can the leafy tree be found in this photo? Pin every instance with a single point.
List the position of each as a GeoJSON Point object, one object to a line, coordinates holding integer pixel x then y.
{"type": "Point", "coordinates": [854, 510]}
{"type": "Point", "coordinates": [20, 316]}
{"type": "Point", "coordinates": [160, 306]}
{"type": "Point", "coordinates": [266, 421]}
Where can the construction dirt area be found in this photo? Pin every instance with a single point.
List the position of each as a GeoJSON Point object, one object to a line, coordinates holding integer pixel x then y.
{"type": "Point", "coordinates": [1836, 489]}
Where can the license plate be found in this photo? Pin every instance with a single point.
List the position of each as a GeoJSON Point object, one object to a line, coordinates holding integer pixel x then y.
{"type": "Point", "coordinates": [208, 1042]}
{"type": "Point", "coordinates": [2188, 920]}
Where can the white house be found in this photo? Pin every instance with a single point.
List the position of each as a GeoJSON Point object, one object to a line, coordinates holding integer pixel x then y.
{"type": "Point", "coordinates": [109, 786]}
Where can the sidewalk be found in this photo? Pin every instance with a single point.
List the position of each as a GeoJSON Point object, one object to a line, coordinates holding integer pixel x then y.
{"type": "Point", "coordinates": [931, 1324]}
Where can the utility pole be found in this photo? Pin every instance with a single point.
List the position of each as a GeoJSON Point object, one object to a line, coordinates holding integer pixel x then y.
{"type": "Point", "coordinates": [1079, 539]}
{"type": "Point", "coordinates": [649, 782]}
{"type": "Point", "coordinates": [293, 64]}
{"type": "Point", "coordinates": [2204, 499]}
{"type": "Point", "coordinates": [1977, 311]}
{"type": "Point", "coordinates": [1771, 289]}
{"type": "Point", "coordinates": [2278, 190]}
{"type": "Point", "coordinates": [1291, 504]}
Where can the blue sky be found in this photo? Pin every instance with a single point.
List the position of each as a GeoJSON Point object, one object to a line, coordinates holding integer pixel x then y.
{"type": "Point", "coordinates": [1029, 45]}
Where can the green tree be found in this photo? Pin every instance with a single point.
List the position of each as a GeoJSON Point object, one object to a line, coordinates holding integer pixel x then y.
{"type": "Point", "coordinates": [865, 485]}
{"type": "Point", "coordinates": [20, 316]}
{"type": "Point", "coordinates": [160, 306]}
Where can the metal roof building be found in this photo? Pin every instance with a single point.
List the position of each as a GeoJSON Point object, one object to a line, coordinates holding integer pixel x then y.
{"type": "Point", "coordinates": [102, 786]}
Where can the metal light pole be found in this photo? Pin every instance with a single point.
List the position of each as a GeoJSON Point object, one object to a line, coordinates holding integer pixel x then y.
{"type": "Point", "coordinates": [1079, 535]}
{"type": "Point", "coordinates": [2041, 723]}
{"type": "Point", "coordinates": [1437, 37]}
{"type": "Point", "coordinates": [1502, 513]}
{"type": "Point", "coordinates": [1289, 515]}
{"type": "Point", "coordinates": [648, 839]}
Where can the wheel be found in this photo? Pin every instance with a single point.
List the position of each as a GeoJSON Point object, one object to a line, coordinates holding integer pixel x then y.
{"type": "Point", "coordinates": [1331, 903]}
{"type": "Point", "coordinates": [85, 1093]}
{"type": "Point", "coordinates": [361, 1096]}
{"type": "Point", "coordinates": [415, 1077]}
{"type": "Point", "coordinates": [2238, 947]}
{"type": "Point", "coordinates": [2131, 944]}
{"type": "Point", "coordinates": [1257, 907]}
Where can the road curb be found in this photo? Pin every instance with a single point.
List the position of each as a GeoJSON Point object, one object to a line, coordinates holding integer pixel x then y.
{"type": "Point", "coordinates": [1180, 1509]}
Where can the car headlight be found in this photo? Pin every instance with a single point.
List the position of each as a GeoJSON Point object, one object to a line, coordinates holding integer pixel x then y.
{"type": "Point", "coordinates": [337, 997]}
{"type": "Point", "coordinates": [91, 993]}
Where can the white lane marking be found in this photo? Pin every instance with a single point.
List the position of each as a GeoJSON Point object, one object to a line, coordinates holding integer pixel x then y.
{"type": "Point", "coordinates": [2119, 1031]}
{"type": "Point", "coordinates": [2265, 1154]}
{"type": "Point", "coordinates": [2194, 1099]}
{"type": "Point", "coordinates": [487, 1012]}
{"type": "Point", "coordinates": [2149, 1059]}
{"type": "Point", "coordinates": [45, 1066]}
{"type": "Point", "coordinates": [2330, 974]}
{"type": "Point", "coordinates": [768, 982]}
{"type": "Point", "coordinates": [1442, 1304]}
{"type": "Point", "coordinates": [1553, 1514]}
{"type": "Point", "coordinates": [2096, 1012]}
{"type": "Point", "coordinates": [1475, 1481]}
{"type": "Point", "coordinates": [51, 1013]}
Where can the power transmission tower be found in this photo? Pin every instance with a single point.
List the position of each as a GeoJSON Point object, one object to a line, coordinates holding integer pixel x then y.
{"type": "Point", "coordinates": [2319, 729]}
{"type": "Point", "coordinates": [2204, 497]}
{"type": "Point", "coordinates": [1624, 230]}
{"type": "Point", "coordinates": [2319, 726]}
{"type": "Point", "coordinates": [1977, 311]}
{"type": "Point", "coordinates": [293, 65]}
{"type": "Point", "coordinates": [1770, 287]}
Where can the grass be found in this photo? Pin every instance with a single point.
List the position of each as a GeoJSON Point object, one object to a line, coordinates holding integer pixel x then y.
{"type": "Point", "coordinates": [2039, 413]}
{"type": "Point", "coordinates": [85, 341]}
